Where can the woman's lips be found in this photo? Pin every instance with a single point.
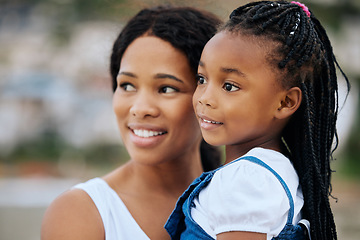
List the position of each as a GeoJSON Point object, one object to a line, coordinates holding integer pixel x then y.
{"type": "Point", "coordinates": [146, 136]}
{"type": "Point", "coordinates": [147, 133]}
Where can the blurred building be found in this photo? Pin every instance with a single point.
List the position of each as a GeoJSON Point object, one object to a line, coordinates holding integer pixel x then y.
{"type": "Point", "coordinates": [62, 88]}
{"type": "Point", "coordinates": [55, 77]}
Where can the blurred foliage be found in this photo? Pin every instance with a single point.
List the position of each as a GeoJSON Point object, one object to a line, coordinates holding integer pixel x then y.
{"type": "Point", "coordinates": [72, 10]}
{"type": "Point", "coordinates": [46, 147]}
{"type": "Point", "coordinates": [50, 147]}
{"type": "Point", "coordinates": [350, 157]}
{"type": "Point", "coordinates": [332, 15]}
{"type": "Point", "coordinates": [63, 14]}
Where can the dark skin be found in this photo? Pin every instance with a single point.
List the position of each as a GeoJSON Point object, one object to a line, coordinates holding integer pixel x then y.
{"type": "Point", "coordinates": [160, 131]}
{"type": "Point", "coordinates": [239, 106]}
{"type": "Point", "coordinates": [146, 199]}
{"type": "Point", "coordinates": [76, 212]}
{"type": "Point", "coordinates": [241, 235]}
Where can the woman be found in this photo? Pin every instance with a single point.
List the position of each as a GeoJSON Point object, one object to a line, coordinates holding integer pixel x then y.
{"type": "Point", "coordinates": [153, 67]}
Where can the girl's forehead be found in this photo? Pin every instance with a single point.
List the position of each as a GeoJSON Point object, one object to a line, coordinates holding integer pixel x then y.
{"type": "Point", "coordinates": [262, 41]}
{"type": "Point", "coordinates": [232, 44]}
{"type": "Point", "coordinates": [235, 52]}
{"type": "Point", "coordinates": [246, 43]}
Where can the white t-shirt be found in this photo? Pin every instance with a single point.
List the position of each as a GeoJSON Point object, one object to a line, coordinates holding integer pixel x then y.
{"type": "Point", "coordinates": [117, 220]}
{"type": "Point", "coordinates": [244, 196]}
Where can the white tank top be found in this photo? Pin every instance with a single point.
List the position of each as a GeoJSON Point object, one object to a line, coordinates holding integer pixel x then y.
{"type": "Point", "coordinates": [117, 220]}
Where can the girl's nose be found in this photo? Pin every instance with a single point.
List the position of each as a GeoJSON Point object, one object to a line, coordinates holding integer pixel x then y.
{"type": "Point", "coordinates": [205, 102]}
{"type": "Point", "coordinates": [206, 97]}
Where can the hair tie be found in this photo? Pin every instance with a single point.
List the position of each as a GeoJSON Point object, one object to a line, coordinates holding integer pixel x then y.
{"type": "Point", "coordinates": [305, 8]}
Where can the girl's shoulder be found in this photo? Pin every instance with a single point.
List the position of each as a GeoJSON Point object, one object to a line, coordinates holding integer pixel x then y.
{"type": "Point", "coordinates": [251, 179]}
{"type": "Point", "coordinates": [245, 196]}
{"type": "Point", "coordinates": [258, 165]}
{"type": "Point", "coordinates": [248, 174]}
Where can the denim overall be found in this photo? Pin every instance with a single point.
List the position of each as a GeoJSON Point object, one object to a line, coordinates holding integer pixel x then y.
{"type": "Point", "coordinates": [180, 224]}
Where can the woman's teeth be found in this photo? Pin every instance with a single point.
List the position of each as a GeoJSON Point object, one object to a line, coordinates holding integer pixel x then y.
{"type": "Point", "coordinates": [146, 133]}
{"type": "Point", "coordinates": [214, 122]}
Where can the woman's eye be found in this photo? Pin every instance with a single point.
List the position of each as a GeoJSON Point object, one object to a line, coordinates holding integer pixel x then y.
{"type": "Point", "coordinates": [168, 89]}
{"type": "Point", "coordinates": [230, 87]}
{"type": "Point", "coordinates": [200, 80]}
{"type": "Point", "coordinates": [128, 87]}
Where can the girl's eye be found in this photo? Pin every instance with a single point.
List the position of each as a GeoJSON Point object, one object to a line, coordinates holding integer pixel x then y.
{"type": "Point", "coordinates": [200, 80]}
{"type": "Point", "coordinates": [127, 87]}
{"type": "Point", "coordinates": [230, 87]}
{"type": "Point", "coordinates": [168, 89]}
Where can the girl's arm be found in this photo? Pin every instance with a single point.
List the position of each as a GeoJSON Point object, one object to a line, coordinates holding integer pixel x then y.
{"type": "Point", "coordinates": [73, 215]}
{"type": "Point", "coordinates": [241, 236]}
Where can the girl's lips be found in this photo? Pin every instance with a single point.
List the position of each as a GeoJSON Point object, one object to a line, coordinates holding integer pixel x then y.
{"type": "Point", "coordinates": [206, 119]}
{"type": "Point", "coordinates": [210, 121]}
{"type": "Point", "coordinates": [207, 123]}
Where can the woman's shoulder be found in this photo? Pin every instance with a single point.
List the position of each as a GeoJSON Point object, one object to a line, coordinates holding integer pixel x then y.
{"type": "Point", "coordinates": [72, 215]}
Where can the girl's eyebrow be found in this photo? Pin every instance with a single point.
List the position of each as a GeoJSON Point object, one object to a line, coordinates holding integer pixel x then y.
{"type": "Point", "coordinates": [227, 70]}
{"type": "Point", "coordinates": [232, 70]}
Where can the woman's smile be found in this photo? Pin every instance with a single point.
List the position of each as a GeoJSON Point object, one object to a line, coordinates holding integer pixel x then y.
{"type": "Point", "coordinates": [146, 133]}
{"type": "Point", "coordinates": [146, 138]}
{"type": "Point", "coordinates": [153, 102]}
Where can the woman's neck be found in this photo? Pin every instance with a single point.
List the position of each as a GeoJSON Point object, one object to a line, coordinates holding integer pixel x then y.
{"type": "Point", "coordinates": [170, 178]}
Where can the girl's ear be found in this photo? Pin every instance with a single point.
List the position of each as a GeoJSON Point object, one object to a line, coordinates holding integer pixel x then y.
{"type": "Point", "coordinates": [290, 103]}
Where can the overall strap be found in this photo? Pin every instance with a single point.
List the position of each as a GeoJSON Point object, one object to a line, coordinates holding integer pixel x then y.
{"type": "Point", "coordinates": [261, 163]}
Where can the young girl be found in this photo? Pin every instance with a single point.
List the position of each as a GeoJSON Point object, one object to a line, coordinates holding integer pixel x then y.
{"type": "Point", "coordinates": [267, 89]}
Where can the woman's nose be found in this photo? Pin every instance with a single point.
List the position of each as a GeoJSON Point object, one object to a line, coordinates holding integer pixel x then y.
{"type": "Point", "coordinates": [144, 105]}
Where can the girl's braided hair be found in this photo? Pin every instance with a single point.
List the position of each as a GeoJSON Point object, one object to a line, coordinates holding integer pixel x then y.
{"type": "Point", "coordinates": [303, 55]}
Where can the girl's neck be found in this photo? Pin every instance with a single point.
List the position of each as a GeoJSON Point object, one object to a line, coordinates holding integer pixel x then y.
{"type": "Point", "coordinates": [235, 151]}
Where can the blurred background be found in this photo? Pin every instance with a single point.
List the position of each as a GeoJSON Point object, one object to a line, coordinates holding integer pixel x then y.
{"type": "Point", "coordinates": [57, 127]}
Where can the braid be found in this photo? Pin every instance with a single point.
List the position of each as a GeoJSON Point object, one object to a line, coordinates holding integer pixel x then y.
{"type": "Point", "coordinates": [304, 57]}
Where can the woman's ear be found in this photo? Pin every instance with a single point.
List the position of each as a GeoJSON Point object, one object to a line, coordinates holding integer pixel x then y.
{"type": "Point", "coordinates": [289, 103]}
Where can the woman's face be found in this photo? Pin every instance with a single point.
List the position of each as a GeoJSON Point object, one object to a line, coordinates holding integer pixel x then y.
{"type": "Point", "coordinates": [153, 102]}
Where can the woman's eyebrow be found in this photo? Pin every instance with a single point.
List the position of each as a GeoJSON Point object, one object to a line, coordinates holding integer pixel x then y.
{"type": "Point", "coordinates": [165, 75]}
{"type": "Point", "coordinates": [129, 74]}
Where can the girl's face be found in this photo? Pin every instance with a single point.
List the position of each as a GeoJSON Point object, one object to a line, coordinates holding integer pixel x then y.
{"type": "Point", "coordinates": [237, 94]}
{"type": "Point", "coordinates": [153, 102]}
